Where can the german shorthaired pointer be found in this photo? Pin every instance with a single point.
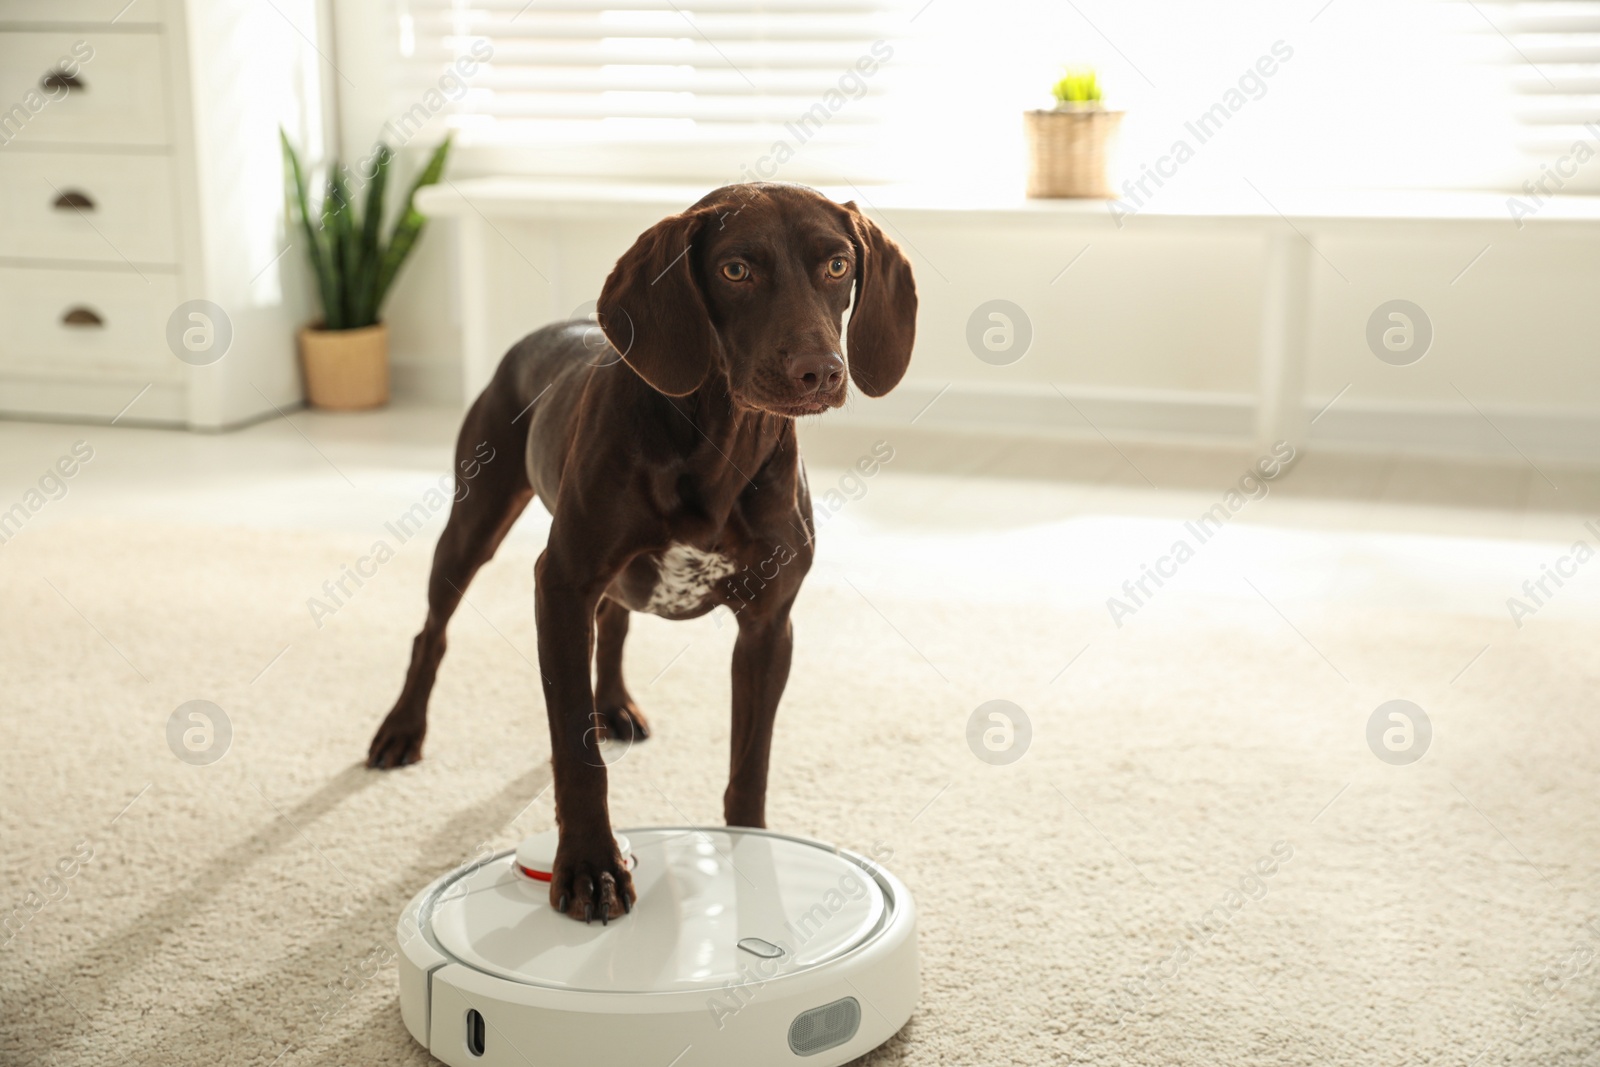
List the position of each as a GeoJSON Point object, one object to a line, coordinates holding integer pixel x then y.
{"type": "Point", "coordinates": [664, 448]}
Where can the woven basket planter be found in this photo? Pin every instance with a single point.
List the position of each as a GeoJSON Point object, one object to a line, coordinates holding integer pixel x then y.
{"type": "Point", "coordinates": [346, 370]}
{"type": "Point", "coordinates": [1067, 151]}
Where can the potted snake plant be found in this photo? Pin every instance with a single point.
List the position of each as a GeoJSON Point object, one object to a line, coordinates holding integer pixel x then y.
{"type": "Point", "coordinates": [345, 354]}
{"type": "Point", "coordinates": [1067, 144]}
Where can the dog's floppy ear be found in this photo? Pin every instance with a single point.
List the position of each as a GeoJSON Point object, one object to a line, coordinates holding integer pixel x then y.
{"type": "Point", "coordinates": [883, 324]}
{"type": "Point", "coordinates": [651, 309]}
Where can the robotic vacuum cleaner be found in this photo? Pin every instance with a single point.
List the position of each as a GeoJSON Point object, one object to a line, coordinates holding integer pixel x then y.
{"type": "Point", "coordinates": [743, 947]}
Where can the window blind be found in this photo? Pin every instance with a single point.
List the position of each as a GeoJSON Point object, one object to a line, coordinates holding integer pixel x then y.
{"type": "Point", "coordinates": [697, 71]}
{"type": "Point", "coordinates": [1551, 52]}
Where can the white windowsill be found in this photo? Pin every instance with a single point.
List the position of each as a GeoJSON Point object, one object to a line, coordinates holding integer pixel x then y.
{"type": "Point", "coordinates": [544, 198]}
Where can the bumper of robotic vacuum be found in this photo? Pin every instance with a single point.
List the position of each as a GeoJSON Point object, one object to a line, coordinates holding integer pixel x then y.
{"type": "Point", "coordinates": [468, 1017]}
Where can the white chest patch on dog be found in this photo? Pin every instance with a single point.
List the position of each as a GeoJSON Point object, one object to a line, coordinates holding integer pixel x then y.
{"type": "Point", "coordinates": [687, 575]}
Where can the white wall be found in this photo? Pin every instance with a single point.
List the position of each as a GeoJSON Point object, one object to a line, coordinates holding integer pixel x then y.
{"type": "Point", "coordinates": [252, 70]}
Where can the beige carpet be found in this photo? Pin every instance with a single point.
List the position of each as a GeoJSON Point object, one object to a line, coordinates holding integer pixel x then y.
{"type": "Point", "coordinates": [1439, 913]}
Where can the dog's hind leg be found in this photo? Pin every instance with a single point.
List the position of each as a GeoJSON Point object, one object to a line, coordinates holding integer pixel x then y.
{"type": "Point", "coordinates": [618, 715]}
{"type": "Point", "coordinates": [492, 489]}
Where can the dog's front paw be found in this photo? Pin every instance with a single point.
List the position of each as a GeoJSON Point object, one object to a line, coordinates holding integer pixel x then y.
{"type": "Point", "coordinates": [591, 880]}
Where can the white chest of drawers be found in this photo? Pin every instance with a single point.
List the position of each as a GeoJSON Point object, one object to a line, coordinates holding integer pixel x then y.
{"type": "Point", "coordinates": [139, 171]}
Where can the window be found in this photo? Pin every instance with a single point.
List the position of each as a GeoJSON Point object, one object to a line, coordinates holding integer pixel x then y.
{"type": "Point", "coordinates": [1483, 94]}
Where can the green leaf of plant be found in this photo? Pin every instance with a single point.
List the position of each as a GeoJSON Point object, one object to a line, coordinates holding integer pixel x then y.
{"type": "Point", "coordinates": [371, 253]}
{"type": "Point", "coordinates": [408, 227]}
{"type": "Point", "coordinates": [316, 252]}
{"type": "Point", "coordinates": [1078, 86]}
{"type": "Point", "coordinates": [337, 220]}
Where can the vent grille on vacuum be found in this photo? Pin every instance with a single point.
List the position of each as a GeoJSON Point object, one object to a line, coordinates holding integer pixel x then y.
{"type": "Point", "coordinates": [826, 1027]}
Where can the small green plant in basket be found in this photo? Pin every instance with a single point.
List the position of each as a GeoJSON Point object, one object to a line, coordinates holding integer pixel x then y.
{"type": "Point", "coordinates": [345, 355]}
{"type": "Point", "coordinates": [1067, 143]}
{"type": "Point", "coordinates": [353, 262]}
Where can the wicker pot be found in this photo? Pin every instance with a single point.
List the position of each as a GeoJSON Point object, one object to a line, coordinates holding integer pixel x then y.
{"type": "Point", "coordinates": [346, 370]}
{"type": "Point", "coordinates": [1067, 151]}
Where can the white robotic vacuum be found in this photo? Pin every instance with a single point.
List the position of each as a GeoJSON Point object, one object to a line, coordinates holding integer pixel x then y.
{"type": "Point", "coordinates": [743, 947]}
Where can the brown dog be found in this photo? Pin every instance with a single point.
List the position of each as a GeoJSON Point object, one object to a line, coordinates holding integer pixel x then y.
{"type": "Point", "coordinates": [666, 455]}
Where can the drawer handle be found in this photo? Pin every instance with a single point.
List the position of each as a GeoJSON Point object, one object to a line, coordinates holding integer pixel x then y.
{"type": "Point", "coordinates": [60, 80]}
{"type": "Point", "coordinates": [72, 199]}
{"type": "Point", "coordinates": [81, 316]}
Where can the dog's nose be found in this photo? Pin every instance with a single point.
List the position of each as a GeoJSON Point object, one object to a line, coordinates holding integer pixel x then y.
{"type": "Point", "coordinates": [820, 372]}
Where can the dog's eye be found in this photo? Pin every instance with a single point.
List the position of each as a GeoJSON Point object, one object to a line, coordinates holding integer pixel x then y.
{"type": "Point", "coordinates": [735, 272]}
{"type": "Point", "coordinates": [838, 267]}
